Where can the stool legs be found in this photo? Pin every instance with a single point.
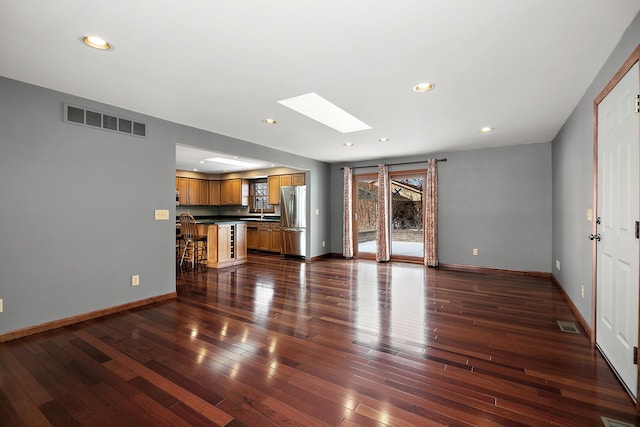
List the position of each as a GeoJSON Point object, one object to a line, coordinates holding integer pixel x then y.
{"type": "Point", "coordinates": [193, 252]}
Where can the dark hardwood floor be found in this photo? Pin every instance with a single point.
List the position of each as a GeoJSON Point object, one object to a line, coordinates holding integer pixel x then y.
{"type": "Point", "coordinates": [329, 343]}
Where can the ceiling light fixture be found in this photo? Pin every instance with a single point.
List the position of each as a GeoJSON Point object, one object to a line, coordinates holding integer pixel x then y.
{"type": "Point", "coordinates": [348, 144]}
{"type": "Point", "coordinates": [270, 121]}
{"type": "Point", "coordinates": [384, 140]}
{"type": "Point", "coordinates": [486, 129]}
{"type": "Point", "coordinates": [423, 87]}
{"type": "Point", "coordinates": [96, 42]}
{"type": "Point", "coordinates": [319, 109]}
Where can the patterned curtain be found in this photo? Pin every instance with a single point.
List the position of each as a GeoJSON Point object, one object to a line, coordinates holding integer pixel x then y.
{"type": "Point", "coordinates": [383, 252]}
{"type": "Point", "coordinates": [431, 216]}
{"type": "Point", "coordinates": [347, 232]}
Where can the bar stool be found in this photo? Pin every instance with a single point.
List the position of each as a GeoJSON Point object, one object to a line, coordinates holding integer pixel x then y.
{"type": "Point", "coordinates": [195, 246]}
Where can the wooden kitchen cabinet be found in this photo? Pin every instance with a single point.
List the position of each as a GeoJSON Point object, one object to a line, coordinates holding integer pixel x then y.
{"type": "Point", "coordinates": [297, 179]}
{"type": "Point", "coordinates": [285, 180]}
{"type": "Point", "coordinates": [226, 245]}
{"type": "Point", "coordinates": [274, 182]}
{"type": "Point", "coordinates": [269, 237]}
{"type": "Point", "coordinates": [276, 238]}
{"type": "Point", "coordinates": [183, 189]}
{"type": "Point", "coordinates": [273, 190]}
{"type": "Point", "coordinates": [252, 236]}
{"type": "Point", "coordinates": [234, 192]}
{"type": "Point", "coordinates": [193, 191]}
{"type": "Point", "coordinates": [202, 189]}
{"type": "Point", "coordinates": [214, 193]}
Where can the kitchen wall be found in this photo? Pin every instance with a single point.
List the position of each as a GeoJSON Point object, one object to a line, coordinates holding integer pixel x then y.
{"type": "Point", "coordinates": [77, 211]}
{"type": "Point", "coordinates": [573, 183]}
{"type": "Point", "coordinates": [497, 200]}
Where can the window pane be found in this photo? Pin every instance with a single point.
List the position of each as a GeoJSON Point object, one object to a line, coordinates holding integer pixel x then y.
{"type": "Point", "coordinates": [259, 197]}
{"type": "Point", "coordinates": [407, 226]}
{"type": "Point", "coordinates": [367, 207]}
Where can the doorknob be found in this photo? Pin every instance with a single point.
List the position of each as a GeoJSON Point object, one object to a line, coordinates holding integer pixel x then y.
{"type": "Point", "coordinates": [595, 237]}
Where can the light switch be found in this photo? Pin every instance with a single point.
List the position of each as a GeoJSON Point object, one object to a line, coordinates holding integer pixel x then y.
{"type": "Point", "coordinates": [162, 214]}
{"type": "Point", "coordinates": [589, 215]}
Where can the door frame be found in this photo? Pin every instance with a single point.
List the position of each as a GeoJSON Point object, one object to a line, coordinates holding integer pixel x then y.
{"type": "Point", "coordinates": [354, 211]}
{"type": "Point", "coordinates": [622, 71]}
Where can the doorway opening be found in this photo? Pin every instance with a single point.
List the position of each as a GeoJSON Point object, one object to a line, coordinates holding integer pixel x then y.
{"type": "Point", "coordinates": [406, 216]}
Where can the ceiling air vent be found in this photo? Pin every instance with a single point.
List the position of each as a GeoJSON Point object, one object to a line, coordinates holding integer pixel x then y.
{"type": "Point", "coordinates": [89, 117]}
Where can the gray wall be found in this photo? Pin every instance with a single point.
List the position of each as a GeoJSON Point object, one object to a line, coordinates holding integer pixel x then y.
{"type": "Point", "coordinates": [573, 183]}
{"type": "Point", "coordinates": [77, 211]}
{"type": "Point", "coordinates": [496, 200]}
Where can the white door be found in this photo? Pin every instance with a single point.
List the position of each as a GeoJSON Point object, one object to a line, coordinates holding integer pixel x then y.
{"type": "Point", "coordinates": [618, 209]}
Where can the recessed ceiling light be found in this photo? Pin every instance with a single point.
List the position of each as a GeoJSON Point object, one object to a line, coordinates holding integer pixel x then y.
{"type": "Point", "coordinates": [319, 109]}
{"type": "Point", "coordinates": [195, 170]}
{"type": "Point", "coordinates": [202, 162]}
{"type": "Point", "coordinates": [348, 144]}
{"type": "Point", "coordinates": [486, 129]}
{"type": "Point", "coordinates": [384, 140]}
{"type": "Point", "coordinates": [270, 121]}
{"type": "Point", "coordinates": [96, 42]}
{"type": "Point", "coordinates": [423, 87]}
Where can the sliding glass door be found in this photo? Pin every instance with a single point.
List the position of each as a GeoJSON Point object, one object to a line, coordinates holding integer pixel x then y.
{"type": "Point", "coordinates": [406, 217]}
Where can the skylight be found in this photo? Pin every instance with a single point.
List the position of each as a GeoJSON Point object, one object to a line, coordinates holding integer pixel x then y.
{"type": "Point", "coordinates": [319, 109]}
{"type": "Point", "coordinates": [233, 162]}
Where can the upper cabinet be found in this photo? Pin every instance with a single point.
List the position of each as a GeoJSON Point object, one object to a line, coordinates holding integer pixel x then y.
{"type": "Point", "coordinates": [234, 192]}
{"type": "Point", "coordinates": [297, 178]}
{"type": "Point", "coordinates": [230, 192]}
{"type": "Point", "coordinates": [274, 182]}
{"type": "Point", "coordinates": [193, 191]}
{"type": "Point", "coordinates": [214, 193]}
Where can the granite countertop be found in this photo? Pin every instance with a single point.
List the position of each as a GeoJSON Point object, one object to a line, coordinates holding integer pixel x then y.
{"type": "Point", "coordinates": [229, 220]}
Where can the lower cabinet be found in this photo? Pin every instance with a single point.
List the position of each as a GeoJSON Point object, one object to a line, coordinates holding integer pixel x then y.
{"type": "Point", "coordinates": [252, 236]}
{"type": "Point", "coordinates": [269, 237]}
{"type": "Point", "coordinates": [226, 245]}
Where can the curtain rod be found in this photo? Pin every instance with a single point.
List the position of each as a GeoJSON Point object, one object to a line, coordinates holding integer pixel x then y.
{"type": "Point", "coordinates": [395, 164]}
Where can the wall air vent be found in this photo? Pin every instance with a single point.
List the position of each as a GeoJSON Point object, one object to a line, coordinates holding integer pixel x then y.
{"type": "Point", "coordinates": [90, 117]}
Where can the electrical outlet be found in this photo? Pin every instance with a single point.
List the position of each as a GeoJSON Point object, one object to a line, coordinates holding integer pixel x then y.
{"type": "Point", "coordinates": [557, 264]}
{"type": "Point", "coordinates": [135, 280]}
{"type": "Point", "coordinates": [475, 252]}
{"type": "Point", "coordinates": [582, 291]}
{"type": "Point", "coordinates": [1, 305]}
{"type": "Point", "coordinates": [323, 244]}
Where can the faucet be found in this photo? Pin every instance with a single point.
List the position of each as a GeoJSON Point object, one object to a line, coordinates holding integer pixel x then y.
{"type": "Point", "coordinates": [261, 213]}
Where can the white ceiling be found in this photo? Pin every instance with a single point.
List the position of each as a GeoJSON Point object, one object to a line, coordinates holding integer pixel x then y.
{"type": "Point", "coordinates": [518, 66]}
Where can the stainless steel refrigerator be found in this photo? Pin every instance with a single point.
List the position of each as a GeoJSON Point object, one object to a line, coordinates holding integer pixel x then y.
{"type": "Point", "coordinates": [293, 219]}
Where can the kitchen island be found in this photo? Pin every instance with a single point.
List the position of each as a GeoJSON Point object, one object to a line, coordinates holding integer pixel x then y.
{"type": "Point", "coordinates": [226, 241]}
